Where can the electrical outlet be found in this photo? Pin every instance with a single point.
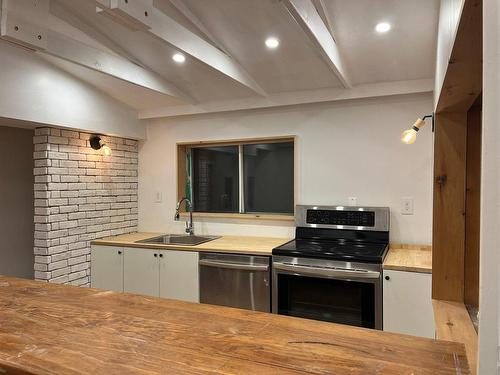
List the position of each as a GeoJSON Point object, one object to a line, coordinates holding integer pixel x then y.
{"type": "Point", "coordinates": [352, 201]}
{"type": "Point", "coordinates": [158, 197]}
{"type": "Point", "coordinates": [407, 206]}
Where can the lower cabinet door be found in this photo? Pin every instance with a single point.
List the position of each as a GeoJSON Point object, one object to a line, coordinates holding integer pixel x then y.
{"type": "Point", "coordinates": [179, 275]}
{"type": "Point", "coordinates": [408, 303]}
{"type": "Point", "coordinates": [142, 271]}
{"type": "Point", "coordinates": [106, 268]}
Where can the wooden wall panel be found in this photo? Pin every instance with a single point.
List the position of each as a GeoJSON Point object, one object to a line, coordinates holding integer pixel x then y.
{"type": "Point", "coordinates": [448, 242]}
{"type": "Point", "coordinates": [472, 207]}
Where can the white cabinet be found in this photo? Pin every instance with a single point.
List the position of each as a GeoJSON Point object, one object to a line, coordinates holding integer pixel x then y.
{"type": "Point", "coordinates": [408, 303]}
{"type": "Point", "coordinates": [141, 271]}
{"type": "Point", "coordinates": [179, 275]}
{"type": "Point", "coordinates": [107, 268]}
{"type": "Point", "coordinates": [151, 272]}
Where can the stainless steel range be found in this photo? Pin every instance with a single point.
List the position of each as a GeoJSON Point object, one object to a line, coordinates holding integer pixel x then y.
{"type": "Point", "coordinates": [332, 270]}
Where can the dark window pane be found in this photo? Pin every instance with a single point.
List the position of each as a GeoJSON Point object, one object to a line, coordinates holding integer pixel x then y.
{"type": "Point", "coordinates": [268, 176]}
{"type": "Point", "coordinates": [215, 179]}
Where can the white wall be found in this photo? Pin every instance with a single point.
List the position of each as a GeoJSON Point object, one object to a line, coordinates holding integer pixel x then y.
{"type": "Point", "coordinates": [349, 148]}
{"type": "Point", "coordinates": [449, 15]}
{"type": "Point", "coordinates": [31, 89]}
{"type": "Point", "coordinates": [489, 298]}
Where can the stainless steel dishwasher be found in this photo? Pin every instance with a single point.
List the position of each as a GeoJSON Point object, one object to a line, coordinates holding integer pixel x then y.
{"type": "Point", "coordinates": [241, 281]}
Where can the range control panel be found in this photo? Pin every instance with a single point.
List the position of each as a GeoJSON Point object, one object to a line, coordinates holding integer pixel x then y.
{"type": "Point", "coordinates": [337, 217]}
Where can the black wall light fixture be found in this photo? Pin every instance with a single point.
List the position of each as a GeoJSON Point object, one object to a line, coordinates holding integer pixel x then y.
{"type": "Point", "coordinates": [97, 144]}
{"type": "Point", "coordinates": [409, 136]}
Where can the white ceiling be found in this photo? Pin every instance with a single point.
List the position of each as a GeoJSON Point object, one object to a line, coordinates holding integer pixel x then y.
{"type": "Point", "coordinates": [407, 51]}
{"type": "Point", "coordinates": [240, 27]}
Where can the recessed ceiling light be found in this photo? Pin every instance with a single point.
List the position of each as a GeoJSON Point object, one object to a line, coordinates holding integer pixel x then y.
{"type": "Point", "coordinates": [179, 58]}
{"type": "Point", "coordinates": [383, 27]}
{"type": "Point", "coordinates": [272, 42]}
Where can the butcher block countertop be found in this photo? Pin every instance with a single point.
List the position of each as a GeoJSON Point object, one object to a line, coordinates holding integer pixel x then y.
{"type": "Point", "coordinates": [58, 329]}
{"type": "Point", "coordinates": [411, 258]}
{"type": "Point", "coordinates": [224, 244]}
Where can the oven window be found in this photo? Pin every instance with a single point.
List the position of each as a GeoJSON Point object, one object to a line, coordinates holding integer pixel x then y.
{"type": "Point", "coordinates": [337, 301]}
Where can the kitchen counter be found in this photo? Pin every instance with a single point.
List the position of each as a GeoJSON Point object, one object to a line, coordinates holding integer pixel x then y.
{"type": "Point", "coordinates": [58, 329]}
{"type": "Point", "coordinates": [224, 244]}
{"type": "Point", "coordinates": [411, 258]}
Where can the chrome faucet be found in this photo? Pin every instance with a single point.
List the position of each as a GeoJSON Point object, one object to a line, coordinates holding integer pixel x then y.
{"type": "Point", "coordinates": [189, 224]}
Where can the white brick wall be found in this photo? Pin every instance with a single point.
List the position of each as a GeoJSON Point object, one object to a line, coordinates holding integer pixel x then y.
{"type": "Point", "coordinates": [80, 195]}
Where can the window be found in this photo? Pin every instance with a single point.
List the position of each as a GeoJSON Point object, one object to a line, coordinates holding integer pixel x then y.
{"type": "Point", "coordinates": [241, 178]}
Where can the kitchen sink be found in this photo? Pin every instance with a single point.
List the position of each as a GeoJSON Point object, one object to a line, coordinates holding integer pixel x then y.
{"type": "Point", "coordinates": [176, 239]}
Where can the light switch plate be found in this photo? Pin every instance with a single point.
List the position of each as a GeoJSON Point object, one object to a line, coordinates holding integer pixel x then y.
{"type": "Point", "coordinates": [352, 201]}
{"type": "Point", "coordinates": [158, 197]}
{"type": "Point", "coordinates": [407, 206]}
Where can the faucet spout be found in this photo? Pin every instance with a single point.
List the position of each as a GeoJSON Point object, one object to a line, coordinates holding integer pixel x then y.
{"type": "Point", "coordinates": [189, 224]}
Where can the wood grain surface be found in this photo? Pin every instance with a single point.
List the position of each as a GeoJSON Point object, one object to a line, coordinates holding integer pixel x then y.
{"type": "Point", "coordinates": [57, 329]}
{"type": "Point", "coordinates": [224, 244]}
{"type": "Point", "coordinates": [411, 258]}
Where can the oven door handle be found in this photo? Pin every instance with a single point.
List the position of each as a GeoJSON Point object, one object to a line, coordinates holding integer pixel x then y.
{"type": "Point", "coordinates": [327, 272]}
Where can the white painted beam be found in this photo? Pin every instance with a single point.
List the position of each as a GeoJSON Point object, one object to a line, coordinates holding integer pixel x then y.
{"type": "Point", "coordinates": [60, 10]}
{"type": "Point", "coordinates": [15, 21]}
{"type": "Point", "coordinates": [181, 6]}
{"type": "Point", "coordinates": [306, 15]}
{"type": "Point", "coordinates": [68, 49]}
{"type": "Point", "coordinates": [295, 98]}
{"type": "Point", "coordinates": [168, 30]}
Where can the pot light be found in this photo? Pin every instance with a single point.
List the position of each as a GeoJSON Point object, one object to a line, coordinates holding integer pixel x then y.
{"type": "Point", "coordinates": [179, 58]}
{"type": "Point", "coordinates": [410, 136]}
{"type": "Point", "coordinates": [383, 27]}
{"type": "Point", "coordinates": [272, 42]}
{"type": "Point", "coordinates": [97, 144]}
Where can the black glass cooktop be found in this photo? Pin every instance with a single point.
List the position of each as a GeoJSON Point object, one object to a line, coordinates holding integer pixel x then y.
{"type": "Point", "coordinates": [334, 249]}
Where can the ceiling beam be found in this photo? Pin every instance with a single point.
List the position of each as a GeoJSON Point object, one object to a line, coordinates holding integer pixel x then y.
{"type": "Point", "coordinates": [305, 14]}
{"type": "Point", "coordinates": [323, 13]}
{"type": "Point", "coordinates": [168, 30]}
{"type": "Point", "coordinates": [295, 98]}
{"type": "Point", "coordinates": [17, 28]}
{"type": "Point", "coordinates": [60, 10]}
{"type": "Point", "coordinates": [195, 21]}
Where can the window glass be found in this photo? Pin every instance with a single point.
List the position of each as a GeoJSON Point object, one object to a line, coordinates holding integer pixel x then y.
{"type": "Point", "coordinates": [268, 177]}
{"type": "Point", "coordinates": [215, 179]}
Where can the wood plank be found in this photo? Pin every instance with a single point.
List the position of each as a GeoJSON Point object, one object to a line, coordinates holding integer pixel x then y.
{"type": "Point", "coordinates": [463, 79]}
{"type": "Point", "coordinates": [473, 207]}
{"type": "Point", "coordinates": [453, 324]}
{"type": "Point", "coordinates": [225, 244]}
{"type": "Point", "coordinates": [448, 239]}
{"type": "Point", "coordinates": [416, 259]}
{"type": "Point", "coordinates": [58, 329]}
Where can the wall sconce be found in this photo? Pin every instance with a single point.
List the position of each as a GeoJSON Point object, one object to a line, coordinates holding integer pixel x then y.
{"type": "Point", "coordinates": [409, 136]}
{"type": "Point", "coordinates": [96, 144]}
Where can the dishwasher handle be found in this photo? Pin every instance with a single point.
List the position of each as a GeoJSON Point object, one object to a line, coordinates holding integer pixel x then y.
{"type": "Point", "coordinates": [234, 266]}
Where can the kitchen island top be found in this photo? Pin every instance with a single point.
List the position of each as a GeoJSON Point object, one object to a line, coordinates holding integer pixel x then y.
{"type": "Point", "coordinates": [57, 329]}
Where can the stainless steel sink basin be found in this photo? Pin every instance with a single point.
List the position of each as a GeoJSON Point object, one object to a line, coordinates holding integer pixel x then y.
{"type": "Point", "coordinates": [176, 239]}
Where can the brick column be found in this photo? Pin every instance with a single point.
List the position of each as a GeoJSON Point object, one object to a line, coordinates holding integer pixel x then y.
{"type": "Point", "coordinates": [80, 195]}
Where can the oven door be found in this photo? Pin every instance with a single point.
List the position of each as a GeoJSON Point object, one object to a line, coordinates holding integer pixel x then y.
{"type": "Point", "coordinates": [338, 292]}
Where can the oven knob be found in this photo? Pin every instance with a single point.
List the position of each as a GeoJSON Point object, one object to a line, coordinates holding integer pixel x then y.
{"type": "Point", "coordinates": [387, 278]}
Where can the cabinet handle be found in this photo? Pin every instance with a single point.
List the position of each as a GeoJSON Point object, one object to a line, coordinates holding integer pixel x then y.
{"type": "Point", "coordinates": [387, 278]}
{"type": "Point", "coordinates": [156, 255]}
{"type": "Point", "coordinates": [119, 252]}
{"type": "Point", "coordinates": [161, 255]}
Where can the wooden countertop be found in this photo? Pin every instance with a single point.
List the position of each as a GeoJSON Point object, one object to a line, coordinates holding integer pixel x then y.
{"type": "Point", "coordinates": [453, 323]}
{"type": "Point", "coordinates": [59, 329]}
{"type": "Point", "coordinates": [224, 244]}
{"type": "Point", "coordinates": [411, 258]}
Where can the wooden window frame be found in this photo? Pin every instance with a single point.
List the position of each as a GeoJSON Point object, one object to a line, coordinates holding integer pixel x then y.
{"type": "Point", "coordinates": [182, 149]}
